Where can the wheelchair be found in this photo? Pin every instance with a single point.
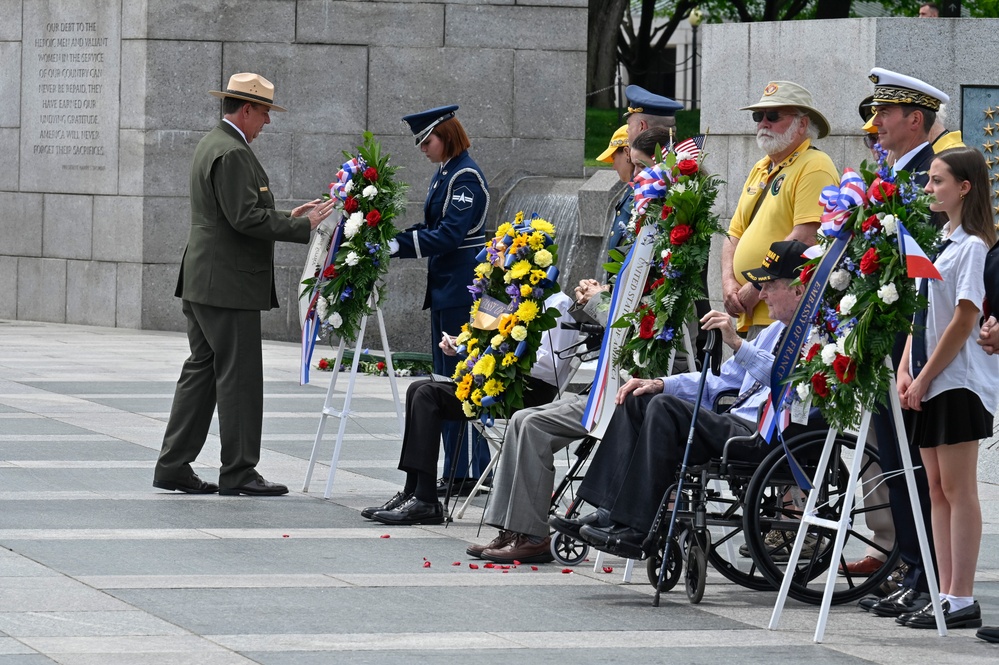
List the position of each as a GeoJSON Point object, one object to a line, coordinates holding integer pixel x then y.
{"type": "Point", "coordinates": [742, 513]}
{"type": "Point", "coordinates": [763, 508]}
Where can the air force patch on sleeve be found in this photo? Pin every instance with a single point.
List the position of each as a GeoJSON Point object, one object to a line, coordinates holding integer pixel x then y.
{"type": "Point", "coordinates": [462, 198]}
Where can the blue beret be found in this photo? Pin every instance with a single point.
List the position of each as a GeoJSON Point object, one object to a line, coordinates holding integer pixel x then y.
{"type": "Point", "coordinates": [424, 122]}
{"type": "Point", "coordinates": [641, 100]}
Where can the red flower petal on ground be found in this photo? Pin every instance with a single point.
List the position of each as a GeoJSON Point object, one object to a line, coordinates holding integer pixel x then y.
{"type": "Point", "coordinates": [534, 567]}
{"type": "Point", "coordinates": [285, 536]}
{"type": "Point", "coordinates": [505, 567]}
{"type": "Point", "coordinates": [426, 564]}
{"type": "Point", "coordinates": [456, 563]}
{"type": "Point", "coordinates": [516, 563]}
{"type": "Point", "coordinates": [566, 571]}
{"type": "Point", "coordinates": [489, 565]}
{"type": "Point", "coordinates": [384, 535]}
{"type": "Point", "coordinates": [473, 566]}
{"type": "Point", "coordinates": [608, 569]}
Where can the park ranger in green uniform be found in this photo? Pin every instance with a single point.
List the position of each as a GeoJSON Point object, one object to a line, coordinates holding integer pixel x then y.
{"type": "Point", "coordinates": [226, 279]}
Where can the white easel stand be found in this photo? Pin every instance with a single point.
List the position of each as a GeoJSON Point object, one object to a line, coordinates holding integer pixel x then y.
{"type": "Point", "coordinates": [840, 527]}
{"type": "Point", "coordinates": [345, 413]}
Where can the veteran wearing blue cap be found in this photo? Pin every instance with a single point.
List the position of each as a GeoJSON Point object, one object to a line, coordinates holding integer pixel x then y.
{"type": "Point", "coordinates": [449, 237]}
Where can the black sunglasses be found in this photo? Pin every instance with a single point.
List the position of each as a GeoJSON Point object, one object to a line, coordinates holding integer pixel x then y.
{"type": "Point", "coordinates": [771, 116]}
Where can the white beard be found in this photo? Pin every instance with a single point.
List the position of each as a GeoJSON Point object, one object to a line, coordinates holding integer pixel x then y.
{"type": "Point", "coordinates": [774, 144]}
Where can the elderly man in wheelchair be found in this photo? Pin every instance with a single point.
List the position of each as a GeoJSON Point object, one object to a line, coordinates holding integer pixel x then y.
{"type": "Point", "coordinates": [645, 440]}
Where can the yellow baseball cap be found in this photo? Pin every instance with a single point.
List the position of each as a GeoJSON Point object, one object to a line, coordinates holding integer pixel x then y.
{"type": "Point", "coordinates": [619, 140]}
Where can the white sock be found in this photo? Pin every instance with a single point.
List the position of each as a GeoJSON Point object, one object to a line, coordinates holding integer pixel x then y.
{"type": "Point", "coordinates": [960, 602]}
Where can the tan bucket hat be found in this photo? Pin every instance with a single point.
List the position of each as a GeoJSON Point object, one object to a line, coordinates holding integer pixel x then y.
{"type": "Point", "coordinates": [251, 88]}
{"type": "Point", "coordinates": [786, 93]}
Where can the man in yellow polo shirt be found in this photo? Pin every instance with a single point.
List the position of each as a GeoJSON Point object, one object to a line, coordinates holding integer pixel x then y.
{"type": "Point", "coordinates": [780, 200]}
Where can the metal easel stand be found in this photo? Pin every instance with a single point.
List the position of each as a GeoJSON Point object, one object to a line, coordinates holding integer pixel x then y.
{"type": "Point", "coordinates": [344, 413]}
{"type": "Point", "coordinates": [840, 527]}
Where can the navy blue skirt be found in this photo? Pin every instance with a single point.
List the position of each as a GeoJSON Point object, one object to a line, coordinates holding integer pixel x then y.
{"type": "Point", "coordinates": [953, 416]}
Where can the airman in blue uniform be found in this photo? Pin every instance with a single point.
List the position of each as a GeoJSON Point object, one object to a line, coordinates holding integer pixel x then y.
{"type": "Point", "coordinates": [451, 235]}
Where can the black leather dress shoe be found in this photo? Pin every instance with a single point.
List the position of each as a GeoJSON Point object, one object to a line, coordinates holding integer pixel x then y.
{"type": "Point", "coordinates": [867, 602]}
{"type": "Point", "coordinates": [570, 527]}
{"type": "Point", "coordinates": [192, 485]}
{"type": "Point", "coordinates": [461, 486]}
{"type": "Point", "coordinates": [617, 539]}
{"type": "Point", "coordinates": [969, 617]}
{"type": "Point", "coordinates": [394, 502]}
{"type": "Point", "coordinates": [903, 601]}
{"type": "Point", "coordinates": [988, 633]}
{"type": "Point", "coordinates": [256, 487]}
{"type": "Point", "coordinates": [412, 511]}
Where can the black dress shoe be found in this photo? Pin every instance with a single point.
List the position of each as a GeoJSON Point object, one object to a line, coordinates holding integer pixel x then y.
{"type": "Point", "coordinates": [617, 539]}
{"type": "Point", "coordinates": [570, 527]}
{"type": "Point", "coordinates": [903, 601]}
{"type": "Point", "coordinates": [256, 487]}
{"type": "Point", "coordinates": [192, 485]}
{"type": "Point", "coordinates": [412, 511]}
{"type": "Point", "coordinates": [988, 633]}
{"type": "Point", "coordinates": [969, 617]}
{"type": "Point", "coordinates": [867, 602]}
{"type": "Point", "coordinates": [394, 502]}
{"type": "Point", "coordinates": [461, 486]}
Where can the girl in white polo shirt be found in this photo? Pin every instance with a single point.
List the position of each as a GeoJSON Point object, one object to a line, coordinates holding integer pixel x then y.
{"type": "Point", "coordinates": [951, 398]}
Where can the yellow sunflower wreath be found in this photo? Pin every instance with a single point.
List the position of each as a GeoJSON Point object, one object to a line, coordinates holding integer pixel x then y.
{"type": "Point", "coordinates": [517, 271]}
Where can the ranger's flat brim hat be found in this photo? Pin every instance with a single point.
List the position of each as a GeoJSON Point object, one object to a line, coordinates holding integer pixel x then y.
{"type": "Point", "coordinates": [641, 100]}
{"type": "Point", "coordinates": [423, 123]}
{"type": "Point", "coordinates": [894, 88]}
{"type": "Point", "coordinates": [618, 141]}
{"type": "Point", "coordinates": [250, 88]}
{"type": "Point", "coordinates": [787, 93]}
{"type": "Point", "coordinates": [783, 260]}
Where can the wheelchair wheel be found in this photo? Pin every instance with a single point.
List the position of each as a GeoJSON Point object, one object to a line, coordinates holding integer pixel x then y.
{"type": "Point", "coordinates": [773, 519]}
{"type": "Point", "coordinates": [696, 575]}
{"type": "Point", "coordinates": [567, 550]}
{"type": "Point", "coordinates": [729, 553]}
{"type": "Point", "coordinates": [673, 567]}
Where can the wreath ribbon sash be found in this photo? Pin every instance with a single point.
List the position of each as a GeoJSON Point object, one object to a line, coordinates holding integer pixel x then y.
{"type": "Point", "coordinates": [786, 355]}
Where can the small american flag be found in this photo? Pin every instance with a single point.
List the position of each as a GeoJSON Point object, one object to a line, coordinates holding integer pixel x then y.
{"type": "Point", "coordinates": [691, 146]}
